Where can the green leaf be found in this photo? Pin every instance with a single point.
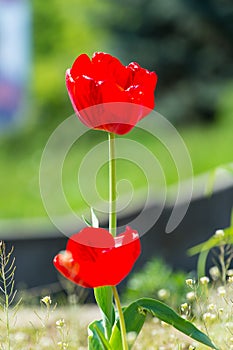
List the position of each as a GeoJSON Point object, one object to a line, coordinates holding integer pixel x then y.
{"type": "Point", "coordinates": [103, 297]}
{"type": "Point", "coordinates": [201, 263]}
{"type": "Point", "coordinates": [134, 320]}
{"type": "Point", "coordinates": [213, 241]}
{"type": "Point", "coordinates": [205, 247]}
{"type": "Point", "coordinates": [86, 221]}
{"type": "Point", "coordinates": [135, 315]}
{"type": "Point", "coordinates": [210, 182]}
{"type": "Point", "coordinates": [96, 339]}
{"type": "Point", "coordinates": [94, 219]}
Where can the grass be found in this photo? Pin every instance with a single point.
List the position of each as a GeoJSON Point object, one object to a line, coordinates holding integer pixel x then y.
{"type": "Point", "coordinates": [209, 146]}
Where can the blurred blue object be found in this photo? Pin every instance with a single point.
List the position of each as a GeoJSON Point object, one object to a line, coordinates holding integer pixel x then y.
{"type": "Point", "coordinates": [15, 60]}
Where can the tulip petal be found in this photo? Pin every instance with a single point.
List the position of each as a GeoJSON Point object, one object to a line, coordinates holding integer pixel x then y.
{"type": "Point", "coordinates": [81, 66]}
{"type": "Point", "coordinates": [93, 258]}
{"type": "Point", "coordinates": [107, 67]}
{"type": "Point", "coordinates": [142, 77]}
{"type": "Point", "coordinates": [104, 80]}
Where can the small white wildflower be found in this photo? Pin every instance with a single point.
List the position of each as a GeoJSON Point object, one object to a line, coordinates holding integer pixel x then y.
{"type": "Point", "coordinates": [190, 282]}
{"type": "Point", "coordinates": [204, 280]}
{"type": "Point", "coordinates": [191, 347]}
{"type": "Point", "coordinates": [231, 339]}
{"type": "Point", "coordinates": [219, 233]}
{"type": "Point", "coordinates": [220, 310]}
{"type": "Point", "coordinates": [213, 317]}
{"type": "Point", "coordinates": [190, 296]}
{"type": "Point", "coordinates": [163, 294]}
{"type": "Point", "coordinates": [230, 279]}
{"type": "Point", "coordinates": [214, 273]}
{"type": "Point", "coordinates": [211, 307]}
{"type": "Point", "coordinates": [184, 307]}
{"type": "Point", "coordinates": [164, 324]}
{"type": "Point", "coordinates": [19, 336]}
{"type": "Point", "coordinates": [46, 300]}
{"type": "Point", "coordinates": [230, 272]}
{"type": "Point", "coordinates": [131, 337]}
{"type": "Point", "coordinates": [209, 317]}
{"type": "Point", "coordinates": [60, 323]}
{"type": "Point", "coordinates": [63, 345]}
{"type": "Point", "coordinates": [221, 291]}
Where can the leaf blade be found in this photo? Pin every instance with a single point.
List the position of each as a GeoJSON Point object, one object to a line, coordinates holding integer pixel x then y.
{"type": "Point", "coordinates": [96, 339]}
{"type": "Point", "coordinates": [103, 297]}
{"type": "Point", "coordinates": [164, 313]}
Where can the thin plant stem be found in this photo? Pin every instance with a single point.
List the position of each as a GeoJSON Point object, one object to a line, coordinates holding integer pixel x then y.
{"type": "Point", "coordinates": [4, 261]}
{"type": "Point", "coordinates": [6, 308]}
{"type": "Point", "coordinates": [112, 185]}
{"type": "Point", "coordinates": [112, 220]}
{"type": "Point", "coordinates": [113, 226]}
{"type": "Point", "coordinates": [121, 318]}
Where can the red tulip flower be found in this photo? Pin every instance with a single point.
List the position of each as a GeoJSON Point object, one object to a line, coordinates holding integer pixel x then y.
{"type": "Point", "coordinates": [94, 258]}
{"type": "Point", "coordinates": [119, 95]}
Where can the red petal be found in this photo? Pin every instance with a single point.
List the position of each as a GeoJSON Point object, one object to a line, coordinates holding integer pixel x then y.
{"type": "Point", "coordinates": [142, 96]}
{"type": "Point", "coordinates": [103, 81]}
{"type": "Point", "coordinates": [141, 76]}
{"type": "Point", "coordinates": [84, 93]}
{"type": "Point", "coordinates": [82, 66]}
{"type": "Point", "coordinates": [91, 266]}
{"type": "Point", "coordinates": [123, 257]}
{"type": "Point", "coordinates": [69, 270]}
{"type": "Point", "coordinates": [107, 67]}
{"type": "Point", "coordinates": [90, 237]}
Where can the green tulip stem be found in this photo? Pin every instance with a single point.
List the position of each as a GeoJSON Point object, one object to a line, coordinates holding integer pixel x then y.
{"type": "Point", "coordinates": [112, 185]}
{"type": "Point", "coordinates": [113, 226]}
{"type": "Point", "coordinates": [121, 318]}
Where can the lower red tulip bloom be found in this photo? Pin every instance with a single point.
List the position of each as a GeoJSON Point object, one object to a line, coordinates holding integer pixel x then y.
{"type": "Point", "coordinates": [94, 258]}
{"type": "Point", "coordinates": [122, 95]}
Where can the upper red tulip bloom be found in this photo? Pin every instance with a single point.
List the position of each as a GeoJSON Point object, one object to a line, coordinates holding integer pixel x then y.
{"type": "Point", "coordinates": [103, 80]}
{"type": "Point", "coordinates": [93, 258]}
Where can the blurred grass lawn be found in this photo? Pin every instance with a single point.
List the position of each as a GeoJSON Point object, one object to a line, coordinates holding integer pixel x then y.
{"type": "Point", "coordinates": [209, 147]}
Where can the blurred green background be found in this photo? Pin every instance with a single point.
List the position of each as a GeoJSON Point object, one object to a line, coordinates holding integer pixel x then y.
{"type": "Point", "coordinates": [188, 44]}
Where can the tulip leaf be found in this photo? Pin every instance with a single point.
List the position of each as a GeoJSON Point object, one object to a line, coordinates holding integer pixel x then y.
{"type": "Point", "coordinates": [135, 315]}
{"type": "Point", "coordinates": [94, 219]}
{"type": "Point", "coordinates": [134, 320]}
{"type": "Point", "coordinates": [103, 297]}
{"type": "Point", "coordinates": [96, 338]}
{"type": "Point", "coordinates": [86, 221]}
